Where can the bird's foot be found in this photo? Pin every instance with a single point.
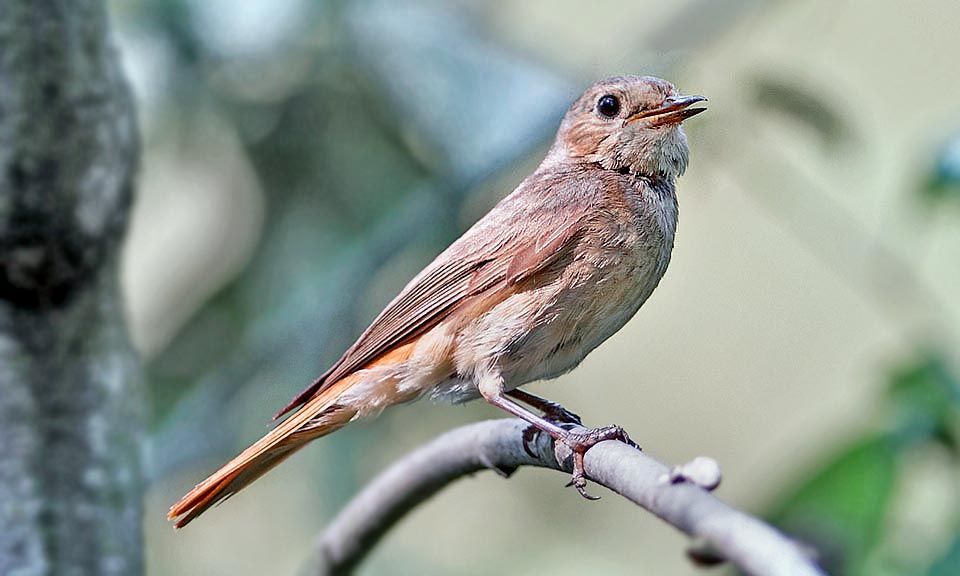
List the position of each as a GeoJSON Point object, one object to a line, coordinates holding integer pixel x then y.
{"type": "Point", "coordinates": [580, 442]}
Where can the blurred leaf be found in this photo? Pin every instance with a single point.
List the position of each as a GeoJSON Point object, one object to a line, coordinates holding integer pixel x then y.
{"type": "Point", "coordinates": [174, 19]}
{"type": "Point", "coordinates": [949, 563]}
{"type": "Point", "coordinates": [943, 182]}
{"type": "Point", "coordinates": [926, 397]}
{"type": "Point", "coordinates": [697, 23]}
{"type": "Point", "coordinates": [840, 510]}
{"type": "Point", "coordinates": [803, 106]}
{"type": "Point", "coordinates": [456, 95]}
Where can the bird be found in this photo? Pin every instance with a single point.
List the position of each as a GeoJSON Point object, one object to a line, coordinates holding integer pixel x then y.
{"type": "Point", "coordinates": [552, 271]}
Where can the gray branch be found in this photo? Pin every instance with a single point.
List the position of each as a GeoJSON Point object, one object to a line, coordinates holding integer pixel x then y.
{"type": "Point", "coordinates": [71, 399]}
{"type": "Point", "coordinates": [748, 543]}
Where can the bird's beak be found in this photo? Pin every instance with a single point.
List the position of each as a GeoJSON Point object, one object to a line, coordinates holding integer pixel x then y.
{"type": "Point", "coordinates": [674, 110]}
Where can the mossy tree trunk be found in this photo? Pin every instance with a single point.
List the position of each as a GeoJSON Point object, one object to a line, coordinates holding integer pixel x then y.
{"type": "Point", "coordinates": [71, 395]}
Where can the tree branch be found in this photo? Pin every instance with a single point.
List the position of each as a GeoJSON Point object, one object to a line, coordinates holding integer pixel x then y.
{"type": "Point", "coordinates": [751, 545]}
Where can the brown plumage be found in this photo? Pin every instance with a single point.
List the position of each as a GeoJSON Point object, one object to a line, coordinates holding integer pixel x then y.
{"type": "Point", "coordinates": [551, 272]}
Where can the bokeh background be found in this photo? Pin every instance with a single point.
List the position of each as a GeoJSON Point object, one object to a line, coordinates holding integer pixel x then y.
{"type": "Point", "coordinates": [305, 158]}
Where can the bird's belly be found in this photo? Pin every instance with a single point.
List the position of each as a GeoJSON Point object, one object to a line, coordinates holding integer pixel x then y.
{"type": "Point", "coordinates": [547, 331]}
{"type": "Point", "coordinates": [582, 321]}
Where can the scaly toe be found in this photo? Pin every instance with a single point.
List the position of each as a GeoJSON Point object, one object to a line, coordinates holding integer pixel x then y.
{"type": "Point", "coordinates": [579, 478]}
{"type": "Point", "coordinates": [580, 442]}
{"type": "Point", "coordinates": [590, 438]}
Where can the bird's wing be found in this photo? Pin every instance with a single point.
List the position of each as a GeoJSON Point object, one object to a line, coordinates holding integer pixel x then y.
{"type": "Point", "coordinates": [506, 247]}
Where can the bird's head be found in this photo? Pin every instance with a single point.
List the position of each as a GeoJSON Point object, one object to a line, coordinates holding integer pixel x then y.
{"type": "Point", "coordinates": [630, 124]}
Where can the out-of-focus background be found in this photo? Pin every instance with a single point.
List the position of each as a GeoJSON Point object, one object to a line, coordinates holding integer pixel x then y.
{"type": "Point", "coordinates": [305, 158]}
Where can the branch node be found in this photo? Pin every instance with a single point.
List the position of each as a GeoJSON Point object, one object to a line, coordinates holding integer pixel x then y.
{"type": "Point", "coordinates": [702, 471]}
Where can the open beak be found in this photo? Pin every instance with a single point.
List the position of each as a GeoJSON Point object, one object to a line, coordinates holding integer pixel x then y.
{"type": "Point", "coordinates": [674, 110]}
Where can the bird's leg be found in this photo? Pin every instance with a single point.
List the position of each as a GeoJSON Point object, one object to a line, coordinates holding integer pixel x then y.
{"type": "Point", "coordinates": [551, 410]}
{"type": "Point", "coordinates": [491, 388]}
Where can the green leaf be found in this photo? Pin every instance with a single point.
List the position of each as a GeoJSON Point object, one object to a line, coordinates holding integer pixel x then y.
{"type": "Point", "coordinates": [926, 398]}
{"type": "Point", "coordinates": [840, 509]}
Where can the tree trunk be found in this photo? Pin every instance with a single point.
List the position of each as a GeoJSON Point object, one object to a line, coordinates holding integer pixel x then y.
{"type": "Point", "coordinates": [71, 396]}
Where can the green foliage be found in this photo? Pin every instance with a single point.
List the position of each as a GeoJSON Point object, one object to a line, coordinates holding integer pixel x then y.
{"type": "Point", "coordinates": [843, 508]}
{"type": "Point", "coordinates": [926, 396]}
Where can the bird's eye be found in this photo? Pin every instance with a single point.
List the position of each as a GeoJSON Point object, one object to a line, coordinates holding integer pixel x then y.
{"type": "Point", "coordinates": [608, 106]}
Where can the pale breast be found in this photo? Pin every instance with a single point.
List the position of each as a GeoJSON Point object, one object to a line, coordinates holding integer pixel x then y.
{"type": "Point", "coordinates": [626, 262]}
{"type": "Point", "coordinates": [616, 268]}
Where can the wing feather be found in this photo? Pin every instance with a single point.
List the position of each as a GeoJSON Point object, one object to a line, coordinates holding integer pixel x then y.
{"type": "Point", "coordinates": [491, 256]}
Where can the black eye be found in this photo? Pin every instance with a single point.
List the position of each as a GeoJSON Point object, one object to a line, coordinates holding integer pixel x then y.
{"type": "Point", "coordinates": [608, 106]}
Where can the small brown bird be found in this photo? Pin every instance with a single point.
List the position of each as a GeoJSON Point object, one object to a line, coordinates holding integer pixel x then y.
{"type": "Point", "coordinates": [556, 268]}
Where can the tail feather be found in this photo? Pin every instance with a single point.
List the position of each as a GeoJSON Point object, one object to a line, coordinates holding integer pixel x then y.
{"type": "Point", "coordinates": [317, 418]}
{"type": "Point", "coordinates": [203, 497]}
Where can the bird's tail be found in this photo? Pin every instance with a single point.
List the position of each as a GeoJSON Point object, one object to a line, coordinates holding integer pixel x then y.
{"type": "Point", "coordinates": [318, 417]}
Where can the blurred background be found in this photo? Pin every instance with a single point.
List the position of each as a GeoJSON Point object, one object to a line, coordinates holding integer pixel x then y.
{"type": "Point", "coordinates": [304, 159]}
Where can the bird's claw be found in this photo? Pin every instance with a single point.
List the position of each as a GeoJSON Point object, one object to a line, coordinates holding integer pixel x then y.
{"type": "Point", "coordinates": [579, 478]}
{"type": "Point", "coordinates": [577, 442]}
{"type": "Point", "coordinates": [580, 442]}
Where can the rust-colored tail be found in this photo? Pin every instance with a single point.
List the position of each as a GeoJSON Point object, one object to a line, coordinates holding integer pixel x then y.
{"type": "Point", "coordinates": [318, 417]}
